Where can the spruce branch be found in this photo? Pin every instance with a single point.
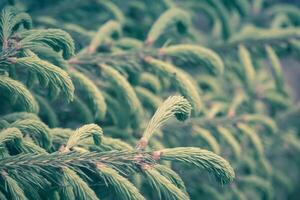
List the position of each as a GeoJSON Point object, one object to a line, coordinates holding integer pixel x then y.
{"type": "Point", "coordinates": [10, 22]}
{"type": "Point", "coordinates": [173, 177]}
{"type": "Point", "coordinates": [207, 136]}
{"type": "Point", "coordinates": [194, 56]}
{"type": "Point", "coordinates": [105, 32]}
{"type": "Point", "coordinates": [47, 112]}
{"type": "Point", "coordinates": [250, 36]}
{"type": "Point", "coordinates": [257, 182]}
{"type": "Point", "coordinates": [120, 160]}
{"type": "Point", "coordinates": [11, 186]}
{"type": "Point", "coordinates": [114, 9]}
{"type": "Point", "coordinates": [79, 187]}
{"type": "Point", "coordinates": [94, 96]}
{"type": "Point", "coordinates": [82, 133]}
{"type": "Point", "coordinates": [49, 75]}
{"type": "Point", "coordinates": [18, 93]}
{"type": "Point", "coordinates": [264, 120]}
{"type": "Point", "coordinates": [176, 106]}
{"type": "Point", "coordinates": [238, 109]}
{"type": "Point", "coordinates": [56, 39]}
{"type": "Point", "coordinates": [150, 81]}
{"type": "Point", "coordinates": [257, 143]}
{"type": "Point", "coordinates": [127, 43]}
{"type": "Point", "coordinates": [123, 187]}
{"type": "Point", "coordinates": [249, 70]}
{"type": "Point", "coordinates": [10, 135]}
{"type": "Point", "coordinates": [173, 17]}
{"type": "Point", "coordinates": [149, 99]}
{"type": "Point", "coordinates": [125, 92]}
{"type": "Point", "coordinates": [163, 186]}
{"type": "Point", "coordinates": [12, 117]}
{"type": "Point", "coordinates": [230, 139]}
{"type": "Point", "coordinates": [183, 81]}
{"type": "Point", "coordinates": [276, 69]}
{"type": "Point", "coordinates": [200, 158]}
{"type": "Point", "coordinates": [115, 144]}
{"type": "Point", "coordinates": [37, 130]}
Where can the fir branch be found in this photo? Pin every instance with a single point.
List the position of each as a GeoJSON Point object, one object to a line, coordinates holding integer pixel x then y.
{"type": "Point", "coordinates": [116, 159]}
{"type": "Point", "coordinates": [37, 130]}
{"type": "Point", "coordinates": [115, 144]}
{"type": "Point", "coordinates": [172, 17]}
{"type": "Point", "coordinates": [194, 56]}
{"type": "Point", "coordinates": [257, 143]}
{"type": "Point", "coordinates": [230, 139]}
{"type": "Point", "coordinates": [173, 177]}
{"type": "Point", "coordinates": [47, 112]}
{"type": "Point", "coordinates": [80, 188]}
{"type": "Point", "coordinates": [276, 69]}
{"type": "Point", "coordinates": [176, 106]}
{"type": "Point", "coordinates": [10, 135]}
{"type": "Point", "coordinates": [55, 38]}
{"type": "Point", "coordinates": [249, 70]}
{"type": "Point", "coordinates": [48, 74]}
{"type": "Point", "coordinates": [18, 92]}
{"type": "Point", "coordinates": [125, 92]}
{"type": "Point", "coordinates": [150, 82]}
{"type": "Point", "coordinates": [250, 35]}
{"type": "Point", "coordinates": [12, 117]}
{"type": "Point", "coordinates": [106, 31]}
{"type": "Point", "coordinates": [10, 22]}
{"type": "Point", "coordinates": [84, 132]}
{"type": "Point", "coordinates": [114, 9]}
{"type": "Point", "coordinates": [86, 115]}
{"type": "Point", "coordinates": [164, 187]}
{"type": "Point", "coordinates": [183, 81]}
{"type": "Point", "coordinates": [149, 99]}
{"type": "Point", "coordinates": [208, 137]}
{"type": "Point", "coordinates": [200, 158]}
{"type": "Point", "coordinates": [12, 188]}
{"type": "Point", "coordinates": [259, 183]}
{"type": "Point", "coordinates": [94, 96]}
{"type": "Point", "coordinates": [124, 189]}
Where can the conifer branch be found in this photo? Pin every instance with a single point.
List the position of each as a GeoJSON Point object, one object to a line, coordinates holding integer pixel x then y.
{"type": "Point", "coordinates": [56, 39]}
{"type": "Point", "coordinates": [182, 81]}
{"type": "Point", "coordinates": [200, 158]}
{"type": "Point", "coordinates": [172, 17]}
{"type": "Point", "coordinates": [18, 93]}
{"type": "Point", "coordinates": [49, 75]}
{"type": "Point", "coordinates": [173, 106]}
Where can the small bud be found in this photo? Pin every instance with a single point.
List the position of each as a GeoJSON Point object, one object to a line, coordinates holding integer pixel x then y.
{"type": "Point", "coordinates": [149, 41]}
{"type": "Point", "coordinates": [142, 143]}
{"type": "Point", "coordinates": [64, 149]}
{"type": "Point", "coordinates": [138, 158]}
{"type": "Point", "coordinates": [231, 113]}
{"type": "Point", "coordinates": [4, 173]}
{"type": "Point", "coordinates": [146, 167]}
{"type": "Point", "coordinates": [71, 69]}
{"type": "Point", "coordinates": [161, 52]}
{"type": "Point", "coordinates": [100, 165]}
{"type": "Point", "coordinates": [156, 155]}
{"type": "Point", "coordinates": [73, 61]}
{"type": "Point", "coordinates": [91, 49]}
{"type": "Point", "coordinates": [12, 59]}
{"type": "Point", "coordinates": [104, 158]}
{"type": "Point", "coordinates": [147, 58]}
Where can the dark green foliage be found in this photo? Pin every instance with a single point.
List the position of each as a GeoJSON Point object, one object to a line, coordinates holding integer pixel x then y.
{"type": "Point", "coordinates": [157, 97]}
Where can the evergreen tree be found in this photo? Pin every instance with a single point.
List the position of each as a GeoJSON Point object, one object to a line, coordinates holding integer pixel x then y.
{"type": "Point", "coordinates": [89, 96]}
